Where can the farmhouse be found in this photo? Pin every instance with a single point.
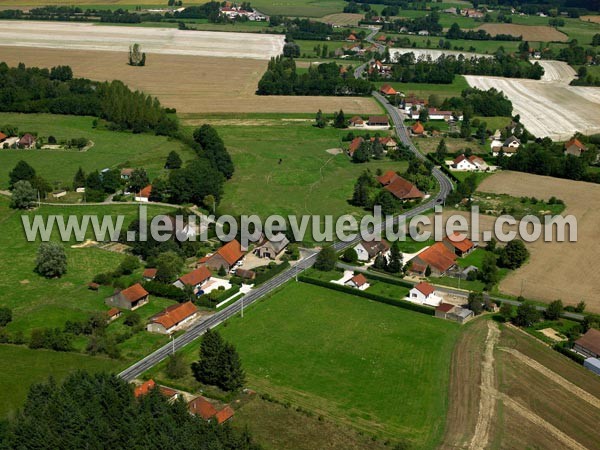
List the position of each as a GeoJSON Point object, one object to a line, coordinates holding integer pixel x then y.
{"type": "Point", "coordinates": [588, 345]}
{"type": "Point", "coordinates": [399, 187]}
{"type": "Point", "coordinates": [131, 298]}
{"type": "Point", "coordinates": [367, 250]}
{"type": "Point", "coordinates": [354, 145]}
{"type": "Point", "coordinates": [173, 318]}
{"type": "Point", "coordinates": [203, 408]}
{"type": "Point", "coordinates": [380, 68]}
{"type": "Point", "coordinates": [454, 313]}
{"type": "Point", "coordinates": [424, 294]}
{"type": "Point", "coordinates": [412, 103]}
{"type": "Point", "coordinates": [351, 38]}
{"type": "Point", "coordinates": [417, 129]}
{"type": "Point", "coordinates": [144, 388]}
{"type": "Point", "coordinates": [227, 256]}
{"type": "Point", "coordinates": [27, 141]}
{"type": "Point", "coordinates": [358, 282]}
{"type": "Point", "coordinates": [387, 142]}
{"type": "Point", "coordinates": [357, 122]}
{"type": "Point", "coordinates": [434, 114]}
{"type": "Point", "coordinates": [459, 244]}
{"type": "Point", "coordinates": [574, 147]}
{"type": "Point", "coordinates": [438, 258]}
{"type": "Point", "coordinates": [144, 195]}
{"type": "Point", "coordinates": [378, 121]}
{"type": "Point", "coordinates": [126, 173]}
{"type": "Point", "coordinates": [113, 314]}
{"type": "Point", "coordinates": [386, 89]}
{"type": "Point", "coordinates": [195, 279]}
{"type": "Point", "coordinates": [272, 248]}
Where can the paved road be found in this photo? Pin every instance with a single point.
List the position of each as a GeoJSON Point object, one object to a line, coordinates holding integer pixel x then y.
{"type": "Point", "coordinates": [212, 321]}
{"type": "Point", "coordinates": [358, 72]}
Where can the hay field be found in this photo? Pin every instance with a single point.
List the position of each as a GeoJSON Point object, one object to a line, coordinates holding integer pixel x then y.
{"type": "Point", "coordinates": [86, 36]}
{"type": "Point", "coordinates": [548, 108]}
{"type": "Point", "coordinates": [557, 71]}
{"type": "Point", "coordinates": [556, 270]}
{"type": "Point", "coordinates": [535, 33]}
{"type": "Point", "coordinates": [342, 19]}
{"type": "Point", "coordinates": [192, 84]}
{"type": "Point", "coordinates": [593, 19]}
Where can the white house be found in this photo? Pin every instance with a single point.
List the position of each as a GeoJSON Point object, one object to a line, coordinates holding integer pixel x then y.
{"type": "Point", "coordinates": [471, 164]}
{"type": "Point", "coordinates": [367, 250]}
{"type": "Point", "coordinates": [358, 282]}
{"type": "Point", "coordinates": [509, 147]}
{"type": "Point", "coordinates": [424, 294]}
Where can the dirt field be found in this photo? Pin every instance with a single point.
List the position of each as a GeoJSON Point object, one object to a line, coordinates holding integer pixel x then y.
{"type": "Point", "coordinates": [594, 19]}
{"type": "Point", "coordinates": [556, 270]}
{"type": "Point", "coordinates": [192, 84]}
{"type": "Point", "coordinates": [529, 32]}
{"type": "Point", "coordinates": [509, 391]}
{"type": "Point", "coordinates": [548, 108]}
{"type": "Point", "coordinates": [558, 71]}
{"type": "Point", "coordinates": [86, 36]}
{"type": "Point", "coordinates": [342, 19]}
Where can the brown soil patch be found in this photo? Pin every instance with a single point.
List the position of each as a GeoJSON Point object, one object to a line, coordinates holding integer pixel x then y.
{"type": "Point", "coordinates": [191, 84]}
{"type": "Point", "coordinates": [552, 334]}
{"type": "Point", "coordinates": [556, 270]}
{"type": "Point", "coordinates": [594, 19]}
{"type": "Point", "coordinates": [530, 33]}
{"type": "Point", "coordinates": [24, 281]}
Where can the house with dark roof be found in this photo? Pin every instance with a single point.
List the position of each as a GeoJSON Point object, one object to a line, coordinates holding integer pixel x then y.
{"type": "Point", "coordinates": [272, 248]}
{"type": "Point", "coordinates": [588, 345]}
{"type": "Point", "coordinates": [27, 141]}
{"type": "Point", "coordinates": [378, 121]}
{"type": "Point", "coordinates": [245, 274]}
{"type": "Point", "coordinates": [574, 147]}
{"type": "Point", "coordinates": [227, 256]}
{"type": "Point", "coordinates": [459, 244]}
{"type": "Point", "coordinates": [454, 313]}
{"type": "Point", "coordinates": [126, 173]}
{"type": "Point", "coordinates": [437, 257]}
{"type": "Point", "coordinates": [173, 318]}
{"type": "Point", "coordinates": [196, 278]}
{"type": "Point", "coordinates": [367, 250]}
{"type": "Point", "coordinates": [358, 282]}
{"type": "Point", "coordinates": [131, 298]}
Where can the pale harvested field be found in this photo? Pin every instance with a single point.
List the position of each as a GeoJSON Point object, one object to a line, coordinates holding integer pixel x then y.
{"type": "Point", "coordinates": [566, 271]}
{"type": "Point", "coordinates": [192, 84]}
{"type": "Point", "coordinates": [594, 19]}
{"type": "Point", "coordinates": [341, 19]}
{"type": "Point", "coordinates": [558, 71]}
{"type": "Point", "coordinates": [86, 36]}
{"type": "Point", "coordinates": [548, 108]}
{"type": "Point", "coordinates": [534, 33]}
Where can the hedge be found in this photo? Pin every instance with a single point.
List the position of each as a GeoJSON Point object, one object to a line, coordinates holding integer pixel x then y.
{"type": "Point", "coordinates": [165, 290]}
{"type": "Point", "coordinates": [269, 273]}
{"type": "Point", "coordinates": [374, 297]}
{"type": "Point", "coordinates": [569, 354]}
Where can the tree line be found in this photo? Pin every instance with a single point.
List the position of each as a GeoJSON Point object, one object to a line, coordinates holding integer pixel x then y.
{"type": "Point", "coordinates": [281, 78]}
{"type": "Point", "coordinates": [34, 90]}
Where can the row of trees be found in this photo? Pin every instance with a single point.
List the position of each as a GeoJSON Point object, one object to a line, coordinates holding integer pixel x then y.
{"type": "Point", "coordinates": [281, 78]}
{"type": "Point", "coordinates": [34, 90]}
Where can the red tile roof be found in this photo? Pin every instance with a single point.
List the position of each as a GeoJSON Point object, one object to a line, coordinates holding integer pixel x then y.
{"type": "Point", "coordinates": [387, 90]}
{"type": "Point", "coordinates": [476, 159]}
{"type": "Point", "coordinates": [146, 191]}
{"type": "Point", "coordinates": [438, 256]}
{"type": "Point", "coordinates": [403, 189]}
{"type": "Point", "coordinates": [112, 312]}
{"type": "Point", "coordinates": [175, 314]}
{"type": "Point", "coordinates": [144, 388]}
{"type": "Point", "coordinates": [168, 392]}
{"type": "Point", "coordinates": [460, 242]}
{"type": "Point", "coordinates": [196, 277]}
{"type": "Point", "coordinates": [359, 279]}
{"type": "Point", "coordinates": [425, 288]}
{"type": "Point", "coordinates": [384, 140]}
{"type": "Point", "coordinates": [381, 38]}
{"type": "Point", "coordinates": [149, 273]}
{"type": "Point", "coordinates": [418, 128]}
{"type": "Point", "coordinates": [225, 414]}
{"type": "Point", "coordinates": [202, 407]}
{"type": "Point", "coordinates": [2, 136]}
{"type": "Point", "coordinates": [387, 177]}
{"type": "Point", "coordinates": [352, 38]}
{"type": "Point", "coordinates": [590, 341]}
{"type": "Point", "coordinates": [134, 293]}
{"type": "Point", "coordinates": [231, 252]}
{"type": "Point", "coordinates": [458, 159]}
{"type": "Point", "coordinates": [577, 143]}
{"type": "Point", "coordinates": [355, 144]}
{"type": "Point", "coordinates": [445, 307]}
{"type": "Point", "coordinates": [357, 119]}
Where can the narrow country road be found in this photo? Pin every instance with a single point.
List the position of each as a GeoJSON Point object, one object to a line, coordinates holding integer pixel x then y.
{"type": "Point", "coordinates": [276, 282]}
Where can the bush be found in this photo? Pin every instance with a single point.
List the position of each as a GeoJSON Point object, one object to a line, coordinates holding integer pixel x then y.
{"type": "Point", "coordinates": [165, 290]}
{"type": "Point", "coordinates": [51, 260]}
{"type": "Point", "coordinates": [5, 316]}
{"type": "Point", "coordinates": [104, 279]}
{"type": "Point", "coordinates": [268, 272]}
{"type": "Point", "coordinates": [568, 353]}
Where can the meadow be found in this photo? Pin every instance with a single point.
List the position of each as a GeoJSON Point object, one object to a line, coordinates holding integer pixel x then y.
{"type": "Point", "coordinates": [460, 44]}
{"type": "Point", "coordinates": [283, 167]}
{"type": "Point", "coordinates": [111, 149]}
{"type": "Point", "coordinates": [424, 90]}
{"type": "Point", "coordinates": [377, 368]}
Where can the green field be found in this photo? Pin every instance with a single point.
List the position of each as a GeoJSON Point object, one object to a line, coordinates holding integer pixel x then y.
{"type": "Point", "coordinates": [308, 47]}
{"type": "Point", "coordinates": [309, 180]}
{"type": "Point", "coordinates": [378, 368]}
{"type": "Point", "coordinates": [462, 44]}
{"type": "Point", "coordinates": [424, 90]}
{"type": "Point", "coordinates": [111, 149]}
{"type": "Point", "coordinates": [22, 367]}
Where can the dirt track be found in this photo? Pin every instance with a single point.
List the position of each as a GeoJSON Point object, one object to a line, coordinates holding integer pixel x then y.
{"type": "Point", "coordinates": [556, 270]}
{"type": "Point", "coordinates": [192, 84]}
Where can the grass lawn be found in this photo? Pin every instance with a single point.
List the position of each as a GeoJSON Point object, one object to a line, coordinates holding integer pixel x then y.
{"type": "Point", "coordinates": [466, 45]}
{"type": "Point", "coordinates": [111, 149]}
{"type": "Point", "coordinates": [308, 8]}
{"type": "Point", "coordinates": [23, 367]}
{"type": "Point", "coordinates": [424, 90]}
{"type": "Point", "coordinates": [308, 47]}
{"type": "Point", "coordinates": [475, 258]}
{"type": "Point", "coordinates": [308, 180]}
{"type": "Point", "coordinates": [479, 176]}
{"type": "Point", "coordinates": [494, 123]}
{"type": "Point", "coordinates": [497, 204]}
{"type": "Point", "coordinates": [378, 368]}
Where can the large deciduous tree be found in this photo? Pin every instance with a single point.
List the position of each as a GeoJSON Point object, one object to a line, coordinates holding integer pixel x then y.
{"type": "Point", "coordinates": [23, 195]}
{"type": "Point", "coordinates": [51, 261]}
